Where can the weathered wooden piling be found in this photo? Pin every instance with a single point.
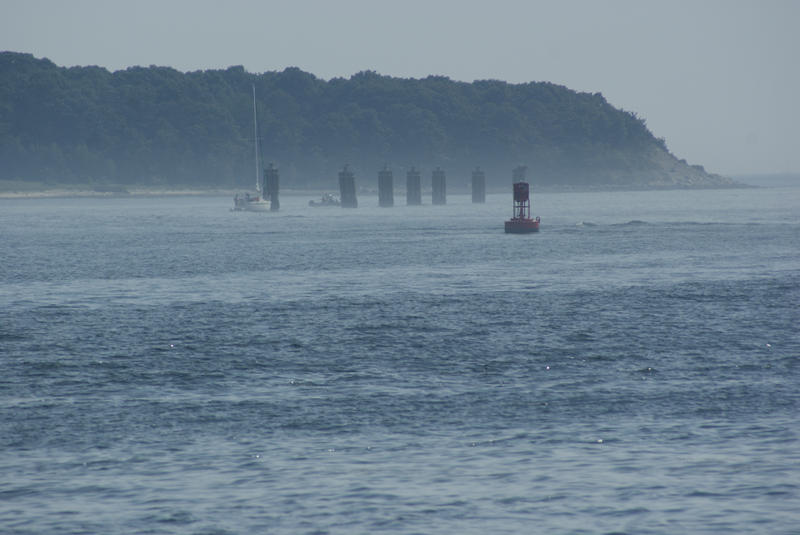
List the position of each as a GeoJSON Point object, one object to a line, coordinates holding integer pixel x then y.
{"type": "Point", "coordinates": [272, 186]}
{"type": "Point", "coordinates": [439, 186]}
{"type": "Point", "coordinates": [385, 187]}
{"type": "Point", "coordinates": [413, 188]}
{"type": "Point", "coordinates": [347, 188]}
{"type": "Point", "coordinates": [478, 186]}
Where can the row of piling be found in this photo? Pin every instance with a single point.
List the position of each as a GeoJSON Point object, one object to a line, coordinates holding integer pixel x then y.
{"type": "Point", "coordinates": [347, 187]}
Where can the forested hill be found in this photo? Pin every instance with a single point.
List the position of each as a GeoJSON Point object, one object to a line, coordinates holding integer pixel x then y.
{"type": "Point", "coordinates": [158, 126]}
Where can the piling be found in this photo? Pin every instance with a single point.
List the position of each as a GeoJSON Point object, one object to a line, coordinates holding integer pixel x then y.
{"type": "Point", "coordinates": [478, 186]}
{"type": "Point", "coordinates": [271, 187]}
{"type": "Point", "coordinates": [385, 187]}
{"type": "Point", "coordinates": [413, 188]}
{"type": "Point", "coordinates": [347, 188]}
{"type": "Point", "coordinates": [439, 186]}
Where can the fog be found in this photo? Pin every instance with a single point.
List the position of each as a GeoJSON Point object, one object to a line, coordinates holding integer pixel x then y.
{"type": "Point", "coordinates": [716, 79]}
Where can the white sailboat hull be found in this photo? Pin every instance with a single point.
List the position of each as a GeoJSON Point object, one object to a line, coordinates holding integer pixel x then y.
{"type": "Point", "coordinates": [251, 205]}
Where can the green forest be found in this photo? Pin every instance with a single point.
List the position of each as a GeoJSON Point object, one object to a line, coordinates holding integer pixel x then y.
{"type": "Point", "coordinates": [162, 127]}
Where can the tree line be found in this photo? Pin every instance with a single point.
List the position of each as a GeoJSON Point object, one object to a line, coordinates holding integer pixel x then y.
{"type": "Point", "coordinates": [159, 126]}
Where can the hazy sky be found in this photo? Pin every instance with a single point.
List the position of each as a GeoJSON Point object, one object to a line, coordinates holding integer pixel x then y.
{"type": "Point", "coordinates": [718, 79]}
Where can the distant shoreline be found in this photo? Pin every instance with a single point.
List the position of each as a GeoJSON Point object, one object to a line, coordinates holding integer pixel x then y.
{"type": "Point", "coordinates": [120, 192]}
{"type": "Point", "coordinates": [17, 189]}
{"type": "Point", "coordinates": [132, 192]}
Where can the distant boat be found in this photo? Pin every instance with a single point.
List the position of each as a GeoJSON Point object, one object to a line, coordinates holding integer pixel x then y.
{"type": "Point", "coordinates": [248, 203]}
{"type": "Point", "coordinates": [329, 199]}
{"type": "Point", "coordinates": [253, 203]}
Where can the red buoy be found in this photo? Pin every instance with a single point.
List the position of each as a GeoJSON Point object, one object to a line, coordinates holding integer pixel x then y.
{"type": "Point", "coordinates": [521, 222]}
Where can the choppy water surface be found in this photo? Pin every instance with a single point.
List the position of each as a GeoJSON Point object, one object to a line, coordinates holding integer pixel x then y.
{"type": "Point", "coordinates": [169, 366]}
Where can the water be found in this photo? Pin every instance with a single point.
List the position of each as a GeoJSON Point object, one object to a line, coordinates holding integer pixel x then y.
{"type": "Point", "coordinates": [169, 366]}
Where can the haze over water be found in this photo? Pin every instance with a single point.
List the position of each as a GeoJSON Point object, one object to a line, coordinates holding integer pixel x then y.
{"type": "Point", "coordinates": [169, 366]}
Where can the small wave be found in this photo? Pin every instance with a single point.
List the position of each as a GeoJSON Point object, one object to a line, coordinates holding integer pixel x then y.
{"type": "Point", "coordinates": [11, 337]}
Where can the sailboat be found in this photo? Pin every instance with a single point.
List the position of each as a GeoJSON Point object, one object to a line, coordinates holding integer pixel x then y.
{"type": "Point", "coordinates": [246, 201]}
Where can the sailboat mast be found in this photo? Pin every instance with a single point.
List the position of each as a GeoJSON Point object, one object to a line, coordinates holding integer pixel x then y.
{"type": "Point", "coordinates": [255, 141]}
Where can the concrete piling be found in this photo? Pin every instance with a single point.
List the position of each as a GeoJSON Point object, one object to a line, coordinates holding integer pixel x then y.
{"type": "Point", "coordinates": [478, 186]}
{"type": "Point", "coordinates": [347, 188]}
{"type": "Point", "coordinates": [413, 188]}
{"type": "Point", "coordinates": [439, 187]}
{"type": "Point", "coordinates": [385, 187]}
{"type": "Point", "coordinates": [272, 186]}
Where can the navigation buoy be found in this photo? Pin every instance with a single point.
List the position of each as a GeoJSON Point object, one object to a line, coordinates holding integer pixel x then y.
{"type": "Point", "coordinates": [521, 222]}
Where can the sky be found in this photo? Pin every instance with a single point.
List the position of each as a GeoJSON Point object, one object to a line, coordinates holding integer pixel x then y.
{"type": "Point", "coordinates": [719, 80]}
